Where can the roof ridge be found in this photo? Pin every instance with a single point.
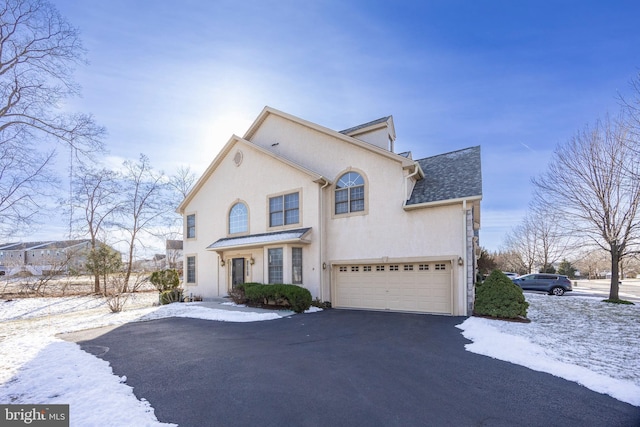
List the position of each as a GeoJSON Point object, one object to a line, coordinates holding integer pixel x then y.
{"type": "Point", "coordinates": [450, 152]}
{"type": "Point", "coordinates": [364, 125]}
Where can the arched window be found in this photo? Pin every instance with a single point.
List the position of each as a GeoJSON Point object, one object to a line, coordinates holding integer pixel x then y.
{"type": "Point", "coordinates": [238, 218]}
{"type": "Point", "coordinates": [350, 193]}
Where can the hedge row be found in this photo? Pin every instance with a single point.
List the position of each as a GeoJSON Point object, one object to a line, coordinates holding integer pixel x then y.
{"type": "Point", "coordinates": [294, 297]}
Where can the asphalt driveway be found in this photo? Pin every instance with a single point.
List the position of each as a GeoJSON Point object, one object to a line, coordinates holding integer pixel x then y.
{"type": "Point", "coordinates": [339, 368]}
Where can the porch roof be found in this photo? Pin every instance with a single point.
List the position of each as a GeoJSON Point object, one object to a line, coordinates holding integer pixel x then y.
{"type": "Point", "coordinates": [256, 240]}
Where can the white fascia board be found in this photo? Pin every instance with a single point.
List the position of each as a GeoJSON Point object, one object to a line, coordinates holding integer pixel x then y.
{"type": "Point", "coordinates": [441, 203]}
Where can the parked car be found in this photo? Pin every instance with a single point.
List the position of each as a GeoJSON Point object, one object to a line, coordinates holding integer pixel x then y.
{"type": "Point", "coordinates": [553, 284]}
{"type": "Point", "coordinates": [510, 275]}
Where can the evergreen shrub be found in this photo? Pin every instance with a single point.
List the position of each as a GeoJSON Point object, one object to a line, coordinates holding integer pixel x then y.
{"type": "Point", "coordinates": [167, 282]}
{"type": "Point", "coordinates": [499, 297]}
{"type": "Point", "coordinates": [294, 297]}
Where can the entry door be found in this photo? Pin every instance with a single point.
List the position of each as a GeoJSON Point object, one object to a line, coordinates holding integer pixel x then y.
{"type": "Point", "coordinates": [237, 271]}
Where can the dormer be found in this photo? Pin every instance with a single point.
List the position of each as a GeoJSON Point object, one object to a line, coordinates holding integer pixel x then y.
{"type": "Point", "coordinates": [380, 133]}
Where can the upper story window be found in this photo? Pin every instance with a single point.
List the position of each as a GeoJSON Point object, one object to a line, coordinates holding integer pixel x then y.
{"type": "Point", "coordinates": [238, 218]}
{"type": "Point", "coordinates": [349, 193]}
{"type": "Point", "coordinates": [191, 226]}
{"type": "Point", "coordinates": [284, 209]}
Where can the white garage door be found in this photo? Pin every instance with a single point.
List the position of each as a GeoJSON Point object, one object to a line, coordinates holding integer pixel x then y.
{"type": "Point", "coordinates": [422, 286]}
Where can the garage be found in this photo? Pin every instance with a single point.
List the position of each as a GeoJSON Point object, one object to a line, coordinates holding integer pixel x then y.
{"type": "Point", "coordinates": [417, 287]}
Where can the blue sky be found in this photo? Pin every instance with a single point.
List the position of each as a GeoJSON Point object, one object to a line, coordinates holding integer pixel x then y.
{"type": "Point", "coordinates": [174, 80]}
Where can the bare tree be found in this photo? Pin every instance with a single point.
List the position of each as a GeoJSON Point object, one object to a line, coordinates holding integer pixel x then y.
{"type": "Point", "coordinates": [25, 181]}
{"type": "Point", "coordinates": [39, 50]}
{"type": "Point", "coordinates": [144, 206]}
{"type": "Point", "coordinates": [96, 195]}
{"type": "Point", "coordinates": [522, 241]}
{"type": "Point", "coordinates": [631, 106]}
{"type": "Point", "coordinates": [181, 182]}
{"type": "Point", "coordinates": [509, 261]}
{"type": "Point", "coordinates": [592, 185]}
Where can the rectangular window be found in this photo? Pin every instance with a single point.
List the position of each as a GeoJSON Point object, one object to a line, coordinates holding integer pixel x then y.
{"type": "Point", "coordinates": [357, 199]}
{"type": "Point", "coordinates": [296, 262]}
{"type": "Point", "coordinates": [355, 268]}
{"type": "Point", "coordinates": [191, 269]}
{"type": "Point", "coordinates": [440, 267]}
{"type": "Point", "coordinates": [379, 267]}
{"type": "Point", "coordinates": [423, 267]}
{"type": "Point", "coordinates": [393, 268]}
{"type": "Point", "coordinates": [342, 201]}
{"type": "Point", "coordinates": [284, 210]}
{"type": "Point", "coordinates": [343, 268]}
{"type": "Point", "coordinates": [191, 226]}
{"type": "Point", "coordinates": [407, 267]}
{"type": "Point", "coordinates": [366, 268]}
{"type": "Point", "coordinates": [275, 265]}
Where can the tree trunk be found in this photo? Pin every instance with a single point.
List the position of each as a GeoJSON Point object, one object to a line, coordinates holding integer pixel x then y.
{"type": "Point", "coordinates": [96, 276]}
{"type": "Point", "coordinates": [96, 283]}
{"type": "Point", "coordinates": [615, 262]}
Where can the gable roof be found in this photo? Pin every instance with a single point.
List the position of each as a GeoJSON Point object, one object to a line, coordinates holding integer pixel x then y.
{"type": "Point", "coordinates": [267, 111]}
{"type": "Point", "coordinates": [316, 177]}
{"type": "Point", "coordinates": [449, 176]}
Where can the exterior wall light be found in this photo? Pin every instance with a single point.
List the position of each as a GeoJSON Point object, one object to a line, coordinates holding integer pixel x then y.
{"type": "Point", "coordinates": [221, 262]}
{"type": "Point", "coordinates": [252, 261]}
{"type": "Point", "coordinates": [460, 261]}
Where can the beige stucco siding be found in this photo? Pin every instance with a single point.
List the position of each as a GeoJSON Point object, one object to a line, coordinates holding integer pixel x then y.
{"type": "Point", "coordinates": [321, 152]}
{"type": "Point", "coordinates": [282, 155]}
{"type": "Point", "coordinates": [252, 183]}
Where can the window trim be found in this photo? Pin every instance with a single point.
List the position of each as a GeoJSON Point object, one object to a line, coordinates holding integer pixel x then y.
{"type": "Point", "coordinates": [186, 226]}
{"type": "Point", "coordinates": [282, 195]}
{"type": "Point", "coordinates": [282, 253]}
{"type": "Point", "coordinates": [195, 269]}
{"type": "Point", "coordinates": [238, 233]}
{"type": "Point", "coordinates": [365, 211]}
{"type": "Point", "coordinates": [293, 266]}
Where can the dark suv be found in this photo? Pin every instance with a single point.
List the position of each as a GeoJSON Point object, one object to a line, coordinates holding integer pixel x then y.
{"type": "Point", "coordinates": [553, 284]}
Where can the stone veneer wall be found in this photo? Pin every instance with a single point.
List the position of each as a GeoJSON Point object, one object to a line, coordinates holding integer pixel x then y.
{"type": "Point", "coordinates": [471, 264]}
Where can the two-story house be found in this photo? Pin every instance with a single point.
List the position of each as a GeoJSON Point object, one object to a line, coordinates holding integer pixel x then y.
{"type": "Point", "coordinates": [338, 212]}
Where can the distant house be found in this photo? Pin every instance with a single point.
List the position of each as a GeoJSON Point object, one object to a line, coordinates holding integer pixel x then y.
{"type": "Point", "coordinates": [174, 254]}
{"type": "Point", "coordinates": [44, 257]}
{"type": "Point", "coordinates": [339, 213]}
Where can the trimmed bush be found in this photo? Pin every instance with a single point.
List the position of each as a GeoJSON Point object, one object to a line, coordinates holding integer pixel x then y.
{"type": "Point", "coordinates": [167, 282]}
{"type": "Point", "coordinates": [499, 297]}
{"type": "Point", "coordinates": [294, 297]}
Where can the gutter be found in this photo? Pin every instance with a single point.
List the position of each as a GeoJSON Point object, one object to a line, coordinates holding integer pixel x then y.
{"type": "Point", "coordinates": [417, 170]}
{"type": "Point", "coordinates": [441, 202]}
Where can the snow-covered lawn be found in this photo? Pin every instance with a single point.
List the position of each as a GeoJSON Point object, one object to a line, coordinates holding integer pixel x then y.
{"type": "Point", "coordinates": [577, 338]}
{"type": "Point", "coordinates": [581, 339]}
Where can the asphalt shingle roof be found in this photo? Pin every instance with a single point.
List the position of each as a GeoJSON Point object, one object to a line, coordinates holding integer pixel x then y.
{"type": "Point", "coordinates": [453, 175]}
{"type": "Point", "coordinates": [262, 238]}
{"type": "Point", "coordinates": [364, 125]}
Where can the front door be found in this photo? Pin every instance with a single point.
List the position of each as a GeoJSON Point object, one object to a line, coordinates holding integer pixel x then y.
{"type": "Point", "coordinates": [237, 271]}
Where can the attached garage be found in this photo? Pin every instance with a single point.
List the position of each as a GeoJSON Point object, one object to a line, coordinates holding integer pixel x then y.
{"type": "Point", "coordinates": [415, 287]}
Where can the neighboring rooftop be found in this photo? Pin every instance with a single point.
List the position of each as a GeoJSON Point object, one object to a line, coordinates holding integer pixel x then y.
{"type": "Point", "coordinates": [453, 175]}
{"type": "Point", "coordinates": [46, 244]}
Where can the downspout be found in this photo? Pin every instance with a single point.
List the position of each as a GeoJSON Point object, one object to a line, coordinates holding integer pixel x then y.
{"type": "Point", "coordinates": [416, 170]}
{"type": "Point", "coordinates": [465, 267]}
{"type": "Point", "coordinates": [321, 232]}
